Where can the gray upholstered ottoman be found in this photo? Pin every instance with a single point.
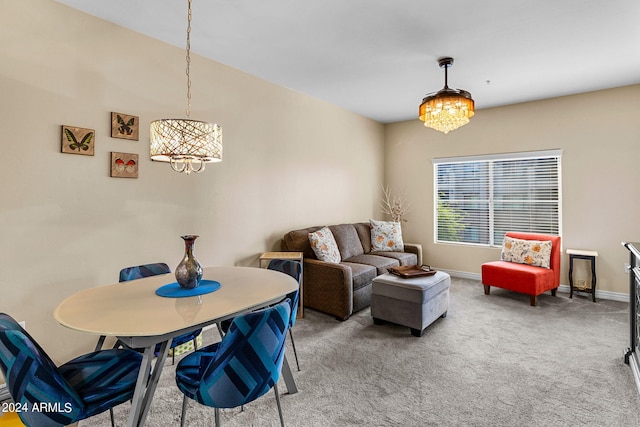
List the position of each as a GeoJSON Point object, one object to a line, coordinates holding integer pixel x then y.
{"type": "Point", "coordinates": [415, 302]}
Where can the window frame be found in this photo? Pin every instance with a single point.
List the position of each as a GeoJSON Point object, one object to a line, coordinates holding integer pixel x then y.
{"type": "Point", "coordinates": [490, 159]}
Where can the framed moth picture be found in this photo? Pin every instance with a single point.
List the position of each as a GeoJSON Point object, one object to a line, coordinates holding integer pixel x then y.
{"type": "Point", "coordinates": [77, 140]}
{"type": "Point", "coordinates": [124, 165]}
{"type": "Point", "coordinates": [124, 126]}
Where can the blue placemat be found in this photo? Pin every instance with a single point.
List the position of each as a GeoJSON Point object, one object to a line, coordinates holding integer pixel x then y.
{"type": "Point", "coordinates": [173, 290]}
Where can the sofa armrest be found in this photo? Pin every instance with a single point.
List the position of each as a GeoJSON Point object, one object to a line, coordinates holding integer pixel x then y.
{"type": "Point", "coordinates": [328, 287]}
{"type": "Point", "coordinates": [414, 248]}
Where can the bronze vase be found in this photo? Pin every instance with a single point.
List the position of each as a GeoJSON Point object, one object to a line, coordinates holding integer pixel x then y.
{"type": "Point", "coordinates": [189, 271]}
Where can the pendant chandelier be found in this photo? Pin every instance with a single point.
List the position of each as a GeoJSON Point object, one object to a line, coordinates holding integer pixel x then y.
{"type": "Point", "coordinates": [186, 144]}
{"type": "Point", "coordinates": [446, 109]}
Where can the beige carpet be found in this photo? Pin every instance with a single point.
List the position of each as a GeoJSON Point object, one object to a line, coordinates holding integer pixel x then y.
{"type": "Point", "coordinates": [493, 361]}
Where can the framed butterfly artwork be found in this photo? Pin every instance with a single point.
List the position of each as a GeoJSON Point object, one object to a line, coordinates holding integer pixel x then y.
{"type": "Point", "coordinates": [124, 126]}
{"type": "Point", "coordinates": [124, 165]}
{"type": "Point", "coordinates": [77, 140]}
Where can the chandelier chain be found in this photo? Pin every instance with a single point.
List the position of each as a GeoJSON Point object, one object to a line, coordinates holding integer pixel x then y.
{"type": "Point", "coordinates": [188, 60]}
{"type": "Point", "coordinates": [184, 143]}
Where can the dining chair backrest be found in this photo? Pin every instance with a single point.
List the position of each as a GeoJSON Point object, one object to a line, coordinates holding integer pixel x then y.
{"type": "Point", "coordinates": [248, 360]}
{"type": "Point", "coordinates": [146, 270]}
{"type": "Point", "coordinates": [293, 269]}
{"type": "Point", "coordinates": [32, 378]}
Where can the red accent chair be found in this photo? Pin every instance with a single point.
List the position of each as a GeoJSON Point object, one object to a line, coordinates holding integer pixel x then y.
{"type": "Point", "coordinates": [524, 278]}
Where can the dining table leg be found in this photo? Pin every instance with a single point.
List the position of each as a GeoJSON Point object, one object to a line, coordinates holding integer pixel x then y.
{"type": "Point", "coordinates": [100, 343]}
{"type": "Point", "coordinates": [288, 377]}
{"type": "Point", "coordinates": [146, 385]}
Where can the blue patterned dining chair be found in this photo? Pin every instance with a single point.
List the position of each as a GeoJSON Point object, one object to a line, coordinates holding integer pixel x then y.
{"type": "Point", "coordinates": [242, 367]}
{"type": "Point", "coordinates": [293, 269]}
{"type": "Point", "coordinates": [54, 396]}
{"type": "Point", "coordinates": [148, 270]}
{"type": "Point", "coordinates": [141, 271]}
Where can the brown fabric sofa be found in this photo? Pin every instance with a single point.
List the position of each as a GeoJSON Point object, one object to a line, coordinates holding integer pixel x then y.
{"type": "Point", "coordinates": [341, 289]}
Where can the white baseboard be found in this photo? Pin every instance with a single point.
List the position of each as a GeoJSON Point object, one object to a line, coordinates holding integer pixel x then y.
{"type": "Point", "coordinates": [460, 274]}
{"type": "Point", "coordinates": [614, 296]}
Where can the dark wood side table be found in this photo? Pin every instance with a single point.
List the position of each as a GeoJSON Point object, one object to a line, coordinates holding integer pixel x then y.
{"type": "Point", "coordinates": [588, 256]}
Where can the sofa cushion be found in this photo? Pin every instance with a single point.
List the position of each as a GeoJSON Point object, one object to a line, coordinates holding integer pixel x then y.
{"type": "Point", "coordinates": [324, 245]}
{"type": "Point", "coordinates": [362, 274]}
{"type": "Point", "coordinates": [381, 263]}
{"type": "Point", "coordinates": [386, 236]}
{"type": "Point", "coordinates": [531, 252]}
{"type": "Point", "coordinates": [364, 233]}
{"type": "Point", "coordinates": [347, 239]}
{"type": "Point", "coordinates": [405, 258]}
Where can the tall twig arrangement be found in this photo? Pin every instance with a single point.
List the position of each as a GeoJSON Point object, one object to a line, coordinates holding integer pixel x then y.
{"type": "Point", "coordinates": [395, 206]}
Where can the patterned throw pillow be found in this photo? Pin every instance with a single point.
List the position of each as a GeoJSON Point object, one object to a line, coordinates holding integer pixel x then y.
{"type": "Point", "coordinates": [386, 236]}
{"type": "Point", "coordinates": [531, 252]}
{"type": "Point", "coordinates": [324, 245]}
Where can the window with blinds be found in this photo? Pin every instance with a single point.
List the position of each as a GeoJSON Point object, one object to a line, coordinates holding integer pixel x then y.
{"type": "Point", "coordinates": [480, 198]}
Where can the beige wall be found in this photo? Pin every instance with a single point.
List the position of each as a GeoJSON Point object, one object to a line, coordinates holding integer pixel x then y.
{"type": "Point", "coordinates": [599, 134]}
{"type": "Point", "coordinates": [289, 161]}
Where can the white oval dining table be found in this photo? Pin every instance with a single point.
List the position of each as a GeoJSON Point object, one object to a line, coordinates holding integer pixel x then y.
{"type": "Point", "coordinates": [132, 312]}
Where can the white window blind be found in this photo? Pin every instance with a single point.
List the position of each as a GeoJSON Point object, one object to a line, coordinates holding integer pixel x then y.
{"type": "Point", "coordinates": [480, 198]}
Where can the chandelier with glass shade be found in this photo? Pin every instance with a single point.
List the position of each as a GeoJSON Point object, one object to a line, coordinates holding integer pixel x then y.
{"type": "Point", "coordinates": [446, 109]}
{"type": "Point", "coordinates": [187, 145]}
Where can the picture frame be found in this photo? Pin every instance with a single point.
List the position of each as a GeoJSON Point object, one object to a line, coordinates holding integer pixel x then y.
{"type": "Point", "coordinates": [124, 165]}
{"type": "Point", "coordinates": [77, 140]}
{"type": "Point", "coordinates": [125, 126]}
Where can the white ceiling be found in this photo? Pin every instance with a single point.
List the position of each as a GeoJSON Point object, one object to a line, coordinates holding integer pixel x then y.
{"type": "Point", "coordinates": [378, 58]}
